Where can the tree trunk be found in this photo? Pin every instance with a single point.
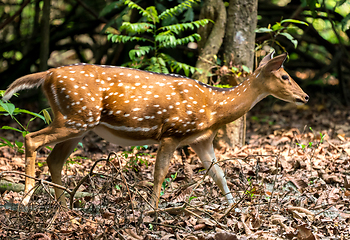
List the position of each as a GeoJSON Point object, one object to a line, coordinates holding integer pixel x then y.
{"type": "Point", "coordinates": [45, 36]}
{"type": "Point", "coordinates": [212, 36]}
{"type": "Point", "coordinates": [239, 43]}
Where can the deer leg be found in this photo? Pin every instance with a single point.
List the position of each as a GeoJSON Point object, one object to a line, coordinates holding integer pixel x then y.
{"type": "Point", "coordinates": [33, 141]}
{"type": "Point", "coordinates": [166, 150]}
{"type": "Point", "coordinates": [55, 162]}
{"type": "Point", "coordinates": [205, 152]}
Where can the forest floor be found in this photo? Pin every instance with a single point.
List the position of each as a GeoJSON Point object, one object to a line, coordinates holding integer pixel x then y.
{"type": "Point", "coordinates": [291, 181]}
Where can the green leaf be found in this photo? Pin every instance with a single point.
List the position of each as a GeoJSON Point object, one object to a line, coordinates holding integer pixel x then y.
{"type": "Point", "coordinates": [177, 9]}
{"type": "Point", "coordinates": [245, 68]}
{"type": "Point", "coordinates": [11, 128]}
{"type": "Point", "coordinates": [191, 198]}
{"type": "Point", "coordinates": [47, 116]}
{"type": "Point", "coordinates": [153, 13]}
{"type": "Point", "coordinates": [263, 30]}
{"type": "Point", "coordinates": [18, 144]}
{"type": "Point", "coordinates": [8, 143]}
{"type": "Point", "coordinates": [294, 21]}
{"type": "Point", "coordinates": [134, 28]}
{"type": "Point", "coordinates": [277, 26]}
{"type": "Point", "coordinates": [7, 107]}
{"type": "Point", "coordinates": [188, 15]}
{"type": "Point", "coordinates": [31, 113]}
{"type": "Point", "coordinates": [177, 28]}
{"type": "Point", "coordinates": [344, 22]}
{"type": "Point", "coordinates": [143, 50]}
{"type": "Point", "coordinates": [291, 38]}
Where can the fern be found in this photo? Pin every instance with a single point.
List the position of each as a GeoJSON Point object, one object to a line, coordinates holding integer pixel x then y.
{"type": "Point", "coordinates": [138, 28]}
{"type": "Point", "coordinates": [178, 66]}
{"type": "Point", "coordinates": [123, 39]}
{"type": "Point", "coordinates": [177, 28]}
{"type": "Point", "coordinates": [158, 38]}
{"type": "Point", "coordinates": [141, 51]}
{"type": "Point", "coordinates": [177, 9]}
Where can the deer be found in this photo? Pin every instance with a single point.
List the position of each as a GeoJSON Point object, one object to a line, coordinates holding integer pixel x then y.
{"type": "Point", "coordinates": [132, 107]}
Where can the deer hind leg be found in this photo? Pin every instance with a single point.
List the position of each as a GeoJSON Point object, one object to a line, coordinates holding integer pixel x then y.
{"type": "Point", "coordinates": [205, 152]}
{"type": "Point", "coordinates": [55, 162]}
{"type": "Point", "coordinates": [33, 141]}
{"type": "Point", "coordinates": [166, 150]}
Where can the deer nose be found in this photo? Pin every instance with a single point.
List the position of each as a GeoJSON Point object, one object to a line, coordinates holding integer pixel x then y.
{"type": "Point", "coordinates": [306, 98]}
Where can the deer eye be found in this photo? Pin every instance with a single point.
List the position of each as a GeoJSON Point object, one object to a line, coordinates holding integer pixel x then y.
{"type": "Point", "coordinates": [285, 77]}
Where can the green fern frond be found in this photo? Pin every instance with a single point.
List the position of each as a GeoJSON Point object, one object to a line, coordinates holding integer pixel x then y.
{"type": "Point", "coordinates": [152, 11]}
{"type": "Point", "coordinates": [191, 38]}
{"type": "Point", "coordinates": [141, 51]}
{"type": "Point", "coordinates": [177, 28]}
{"type": "Point", "coordinates": [136, 27]}
{"type": "Point", "coordinates": [166, 40]}
{"type": "Point", "coordinates": [170, 40]}
{"type": "Point", "coordinates": [123, 39]}
{"type": "Point", "coordinates": [178, 66]}
{"type": "Point", "coordinates": [157, 64]}
{"type": "Point", "coordinates": [177, 9]}
{"type": "Point", "coordinates": [142, 11]}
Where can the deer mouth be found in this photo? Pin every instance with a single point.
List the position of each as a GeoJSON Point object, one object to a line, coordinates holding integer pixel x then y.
{"type": "Point", "coordinates": [301, 101]}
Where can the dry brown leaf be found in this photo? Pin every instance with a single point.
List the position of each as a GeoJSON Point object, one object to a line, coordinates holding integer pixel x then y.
{"type": "Point", "coordinates": [219, 236]}
{"type": "Point", "coordinates": [305, 233]}
{"type": "Point", "coordinates": [334, 196]}
{"type": "Point", "coordinates": [346, 182]}
{"type": "Point", "coordinates": [299, 183]}
{"type": "Point", "coordinates": [188, 172]}
{"type": "Point", "coordinates": [183, 196]}
{"type": "Point", "coordinates": [132, 234]}
{"type": "Point", "coordinates": [300, 212]}
{"type": "Point", "coordinates": [207, 222]}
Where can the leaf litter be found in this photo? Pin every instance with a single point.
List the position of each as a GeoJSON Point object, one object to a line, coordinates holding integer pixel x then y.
{"type": "Point", "coordinates": [291, 181]}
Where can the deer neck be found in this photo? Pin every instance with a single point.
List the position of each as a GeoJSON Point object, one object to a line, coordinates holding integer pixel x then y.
{"type": "Point", "coordinates": [232, 103]}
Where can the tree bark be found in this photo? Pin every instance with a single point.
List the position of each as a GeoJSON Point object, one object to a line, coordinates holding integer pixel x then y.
{"type": "Point", "coordinates": [239, 43]}
{"type": "Point", "coordinates": [212, 36]}
{"type": "Point", "coordinates": [45, 36]}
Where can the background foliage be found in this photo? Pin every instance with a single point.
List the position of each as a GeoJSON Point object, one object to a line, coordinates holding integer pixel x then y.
{"type": "Point", "coordinates": [78, 33]}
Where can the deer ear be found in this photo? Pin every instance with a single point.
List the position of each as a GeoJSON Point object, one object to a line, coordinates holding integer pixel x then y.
{"type": "Point", "coordinates": [267, 58]}
{"type": "Point", "coordinates": [275, 63]}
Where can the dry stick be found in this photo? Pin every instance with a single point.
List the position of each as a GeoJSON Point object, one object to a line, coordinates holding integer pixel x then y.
{"type": "Point", "coordinates": [210, 215]}
{"type": "Point", "coordinates": [273, 188]}
{"type": "Point", "coordinates": [37, 179]}
{"type": "Point", "coordinates": [127, 187]}
{"type": "Point", "coordinates": [91, 173]}
{"type": "Point", "coordinates": [202, 180]}
{"type": "Point", "coordinates": [46, 190]}
{"type": "Point", "coordinates": [166, 225]}
{"type": "Point", "coordinates": [52, 220]}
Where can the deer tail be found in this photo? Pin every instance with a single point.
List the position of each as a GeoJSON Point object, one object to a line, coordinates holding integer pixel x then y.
{"type": "Point", "coordinates": [25, 82]}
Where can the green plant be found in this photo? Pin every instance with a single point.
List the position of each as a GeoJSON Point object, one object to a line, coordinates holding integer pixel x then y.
{"type": "Point", "coordinates": [280, 29]}
{"type": "Point", "coordinates": [134, 160]}
{"type": "Point", "coordinates": [167, 182]}
{"type": "Point", "coordinates": [312, 144]}
{"type": "Point", "coordinates": [155, 34]}
{"type": "Point", "coordinates": [73, 160]}
{"type": "Point", "coordinates": [9, 109]}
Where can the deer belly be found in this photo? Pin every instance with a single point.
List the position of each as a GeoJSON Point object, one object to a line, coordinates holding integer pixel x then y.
{"type": "Point", "coordinates": [123, 136]}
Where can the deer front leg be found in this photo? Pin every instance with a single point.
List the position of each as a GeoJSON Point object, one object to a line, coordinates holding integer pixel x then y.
{"type": "Point", "coordinates": [205, 152]}
{"type": "Point", "coordinates": [50, 135]}
{"type": "Point", "coordinates": [166, 150]}
{"type": "Point", "coordinates": [30, 157]}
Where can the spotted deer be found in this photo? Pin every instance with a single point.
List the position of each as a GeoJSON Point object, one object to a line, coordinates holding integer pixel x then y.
{"type": "Point", "coordinates": [134, 107]}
